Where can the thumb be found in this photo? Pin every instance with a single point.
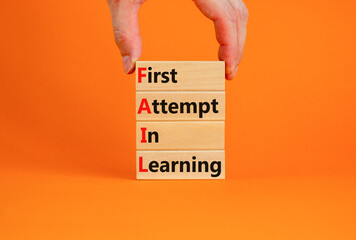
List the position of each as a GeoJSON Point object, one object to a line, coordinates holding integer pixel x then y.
{"type": "Point", "coordinates": [124, 15]}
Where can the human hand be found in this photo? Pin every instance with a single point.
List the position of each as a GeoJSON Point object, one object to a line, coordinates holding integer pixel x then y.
{"type": "Point", "coordinates": [229, 17]}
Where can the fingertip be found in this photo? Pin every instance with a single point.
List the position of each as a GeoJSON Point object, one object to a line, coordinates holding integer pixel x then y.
{"type": "Point", "coordinates": [129, 64]}
{"type": "Point", "coordinates": [132, 69]}
{"type": "Point", "coordinates": [230, 70]}
{"type": "Point", "coordinates": [227, 54]}
{"type": "Point", "coordinates": [231, 74]}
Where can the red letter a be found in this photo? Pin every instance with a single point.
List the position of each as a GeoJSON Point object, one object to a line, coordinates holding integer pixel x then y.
{"type": "Point", "coordinates": [144, 106]}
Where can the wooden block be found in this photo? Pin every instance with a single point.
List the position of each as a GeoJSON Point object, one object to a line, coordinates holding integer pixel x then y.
{"type": "Point", "coordinates": [160, 106]}
{"type": "Point", "coordinates": [208, 164]}
{"type": "Point", "coordinates": [183, 135]}
{"type": "Point", "coordinates": [180, 76]}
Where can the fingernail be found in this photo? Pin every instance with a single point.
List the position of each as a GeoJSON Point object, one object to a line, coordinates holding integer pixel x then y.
{"type": "Point", "coordinates": [232, 74]}
{"type": "Point", "coordinates": [128, 64]}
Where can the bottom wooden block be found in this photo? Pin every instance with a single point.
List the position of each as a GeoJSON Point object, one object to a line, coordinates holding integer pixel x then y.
{"type": "Point", "coordinates": [202, 164]}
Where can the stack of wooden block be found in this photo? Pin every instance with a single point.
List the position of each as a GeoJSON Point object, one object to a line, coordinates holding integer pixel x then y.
{"type": "Point", "coordinates": [180, 120]}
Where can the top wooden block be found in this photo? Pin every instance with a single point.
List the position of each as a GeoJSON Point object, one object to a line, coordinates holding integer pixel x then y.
{"type": "Point", "coordinates": [180, 76]}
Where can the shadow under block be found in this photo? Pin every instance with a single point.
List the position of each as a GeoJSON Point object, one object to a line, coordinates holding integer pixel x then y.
{"type": "Point", "coordinates": [188, 76]}
{"type": "Point", "coordinates": [208, 164]}
{"type": "Point", "coordinates": [160, 106]}
{"type": "Point", "coordinates": [182, 135]}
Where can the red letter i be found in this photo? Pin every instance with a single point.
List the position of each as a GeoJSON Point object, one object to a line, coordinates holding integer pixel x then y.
{"type": "Point", "coordinates": [143, 140]}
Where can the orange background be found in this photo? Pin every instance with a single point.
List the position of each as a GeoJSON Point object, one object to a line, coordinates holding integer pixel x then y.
{"type": "Point", "coordinates": [67, 125]}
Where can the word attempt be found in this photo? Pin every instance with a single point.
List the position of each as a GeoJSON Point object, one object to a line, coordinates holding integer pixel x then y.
{"type": "Point", "coordinates": [155, 77]}
{"type": "Point", "coordinates": [174, 108]}
{"type": "Point", "coordinates": [214, 167]}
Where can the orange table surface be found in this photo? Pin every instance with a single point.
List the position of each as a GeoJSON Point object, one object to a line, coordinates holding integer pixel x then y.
{"type": "Point", "coordinates": [52, 206]}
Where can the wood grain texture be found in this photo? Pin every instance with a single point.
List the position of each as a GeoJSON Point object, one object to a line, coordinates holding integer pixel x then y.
{"type": "Point", "coordinates": [182, 135]}
{"type": "Point", "coordinates": [209, 164]}
{"type": "Point", "coordinates": [187, 106]}
{"type": "Point", "coordinates": [191, 75]}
